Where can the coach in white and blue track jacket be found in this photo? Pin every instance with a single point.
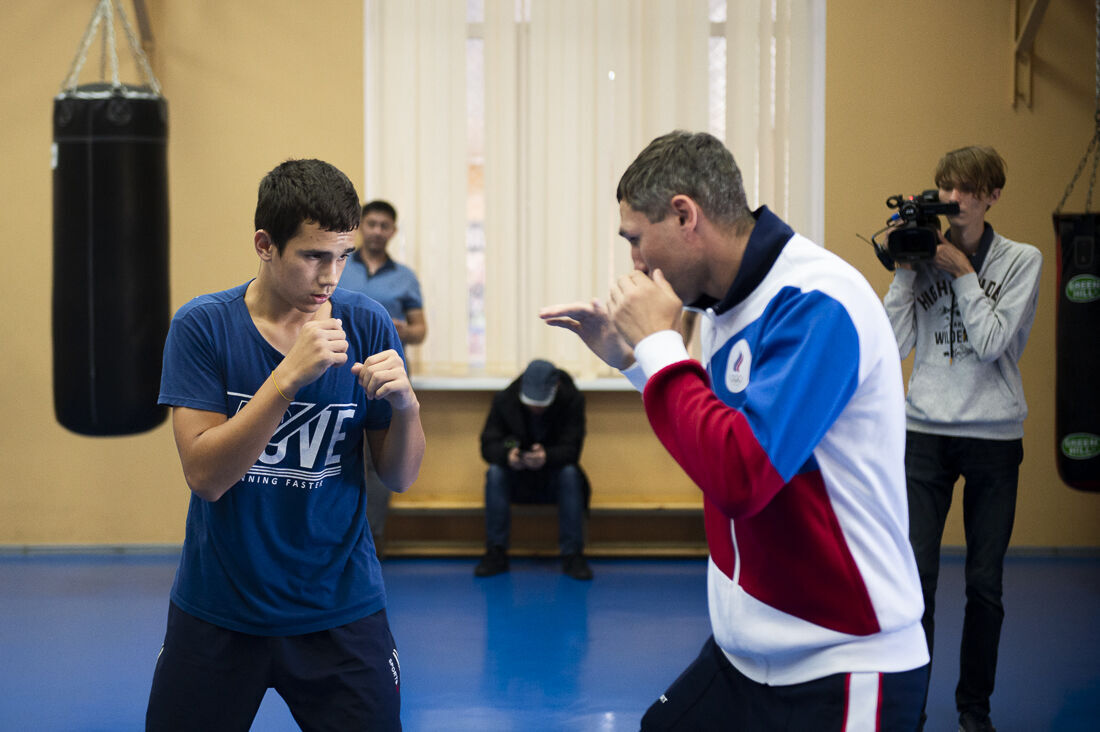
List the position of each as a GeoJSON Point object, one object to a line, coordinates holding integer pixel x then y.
{"type": "Point", "coordinates": [793, 427]}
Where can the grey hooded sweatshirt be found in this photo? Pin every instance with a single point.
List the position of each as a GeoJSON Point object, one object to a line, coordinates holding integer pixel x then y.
{"type": "Point", "coordinates": [969, 333]}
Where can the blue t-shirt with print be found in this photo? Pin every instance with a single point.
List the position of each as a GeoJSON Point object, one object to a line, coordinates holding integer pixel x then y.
{"type": "Point", "coordinates": [287, 549]}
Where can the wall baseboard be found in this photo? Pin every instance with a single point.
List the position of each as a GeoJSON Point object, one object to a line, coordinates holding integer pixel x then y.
{"type": "Point", "coordinates": [168, 550]}
{"type": "Point", "coordinates": [410, 546]}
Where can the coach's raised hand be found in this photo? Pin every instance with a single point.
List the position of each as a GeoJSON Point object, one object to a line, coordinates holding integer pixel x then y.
{"type": "Point", "coordinates": [640, 306]}
{"type": "Point", "coordinates": [592, 322]}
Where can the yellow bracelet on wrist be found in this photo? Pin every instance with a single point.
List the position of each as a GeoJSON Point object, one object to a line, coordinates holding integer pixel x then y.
{"type": "Point", "coordinates": [276, 384]}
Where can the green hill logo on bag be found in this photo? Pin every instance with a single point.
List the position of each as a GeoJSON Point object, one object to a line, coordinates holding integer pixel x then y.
{"type": "Point", "coordinates": [1081, 446]}
{"type": "Point", "coordinates": [1083, 288]}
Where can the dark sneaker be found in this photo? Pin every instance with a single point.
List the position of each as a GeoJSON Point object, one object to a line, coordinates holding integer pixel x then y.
{"type": "Point", "coordinates": [495, 561]}
{"type": "Point", "coordinates": [975, 722]}
{"type": "Point", "coordinates": [576, 567]}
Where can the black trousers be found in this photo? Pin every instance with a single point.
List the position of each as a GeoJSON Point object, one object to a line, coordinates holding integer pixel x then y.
{"type": "Point", "coordinates": [213, 679]}
{"type": "Point", "coordinates": [933, 463]}
{"type": "Point", "coordinates": [712, 695]}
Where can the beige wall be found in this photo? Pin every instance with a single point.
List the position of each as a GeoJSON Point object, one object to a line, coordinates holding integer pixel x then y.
{"type": "Point", "coordinates": [250, 83]}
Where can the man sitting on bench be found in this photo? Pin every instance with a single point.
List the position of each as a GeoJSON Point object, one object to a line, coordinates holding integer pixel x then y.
{"type": "Point", "coordinates": [532, 440]}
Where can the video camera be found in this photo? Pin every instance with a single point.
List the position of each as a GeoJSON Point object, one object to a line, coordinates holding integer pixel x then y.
{"type": "Point", "coordinates": [915, 239]}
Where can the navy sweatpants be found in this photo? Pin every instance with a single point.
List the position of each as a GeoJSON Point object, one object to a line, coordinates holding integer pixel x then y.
{"type": "Point", "coordinates": [210, 678]}
{"type": "Point", "coordinates": [712, 695]}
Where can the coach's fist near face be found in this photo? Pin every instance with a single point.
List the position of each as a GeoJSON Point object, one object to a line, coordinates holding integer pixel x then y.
{"type": "Point", "coordinates": [641, 306]}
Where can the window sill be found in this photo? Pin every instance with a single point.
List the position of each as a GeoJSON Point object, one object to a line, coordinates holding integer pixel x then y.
{"type": "Point", "coordinates": [496, 383]}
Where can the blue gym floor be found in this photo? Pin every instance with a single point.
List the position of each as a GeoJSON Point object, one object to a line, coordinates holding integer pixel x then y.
{"type": "Point", "coordinates": [527, 651]}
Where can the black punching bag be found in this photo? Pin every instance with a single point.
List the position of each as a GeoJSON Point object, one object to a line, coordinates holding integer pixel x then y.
{"type": "Point", "coordinates": [110, 257]}
{"type": "Point", "coordinates": [1077, 428]}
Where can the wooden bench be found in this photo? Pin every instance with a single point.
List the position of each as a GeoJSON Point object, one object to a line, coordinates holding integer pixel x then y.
{"type": "Point", "coordinates": [642, 502]}
{"type": "Point", "coordinates": [613, 530]}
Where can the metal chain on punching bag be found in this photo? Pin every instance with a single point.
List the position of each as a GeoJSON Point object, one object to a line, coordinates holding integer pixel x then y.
{"type": "Point", "coordinates": [1077, 418]}
{"type": "Point", "coordinates": [110, 241]}
{"type": "Point", "coordinates": [1094, 143]}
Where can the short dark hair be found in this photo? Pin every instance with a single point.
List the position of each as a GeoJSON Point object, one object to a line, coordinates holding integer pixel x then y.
{"type": "Point", "coordinates": [379, 206]}
{"type": "Point", "coordinates": [977, 167]}
{"type": "Point", "coordinates": [298, 191]}
{"type": "Point", "coordinates": [694, 164]}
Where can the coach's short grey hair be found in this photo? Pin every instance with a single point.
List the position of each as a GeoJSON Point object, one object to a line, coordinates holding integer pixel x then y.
{"type": "Point", "coordinates": [694, 164]}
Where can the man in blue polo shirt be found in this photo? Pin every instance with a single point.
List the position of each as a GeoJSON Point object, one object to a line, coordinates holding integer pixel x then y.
{"type": "Point", "coordinates": [373, 272]}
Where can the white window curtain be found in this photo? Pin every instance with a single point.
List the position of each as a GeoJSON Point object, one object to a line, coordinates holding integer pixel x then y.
{"type": "Point", "coordinates": [775, 106]}
{"type": "Point", "coordinates": [573, 90]}
{"type": "Point", "coordinates": [585, 84]}
{"type": "Point", "coordinates": [416, 157]}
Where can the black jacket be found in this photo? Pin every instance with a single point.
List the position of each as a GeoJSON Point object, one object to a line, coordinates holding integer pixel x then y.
{"type": "Point", "coordinates": [564, 422]}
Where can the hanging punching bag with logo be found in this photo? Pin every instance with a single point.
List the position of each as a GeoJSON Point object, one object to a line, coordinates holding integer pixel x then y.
{"type": "Point", "coordinates": [110, 257]}
{"type": "Point", "coordinates": [1077, 428]}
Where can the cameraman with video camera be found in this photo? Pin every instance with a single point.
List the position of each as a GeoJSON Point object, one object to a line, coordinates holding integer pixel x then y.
{"type": "Point", "coordinates": [967, 309]}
